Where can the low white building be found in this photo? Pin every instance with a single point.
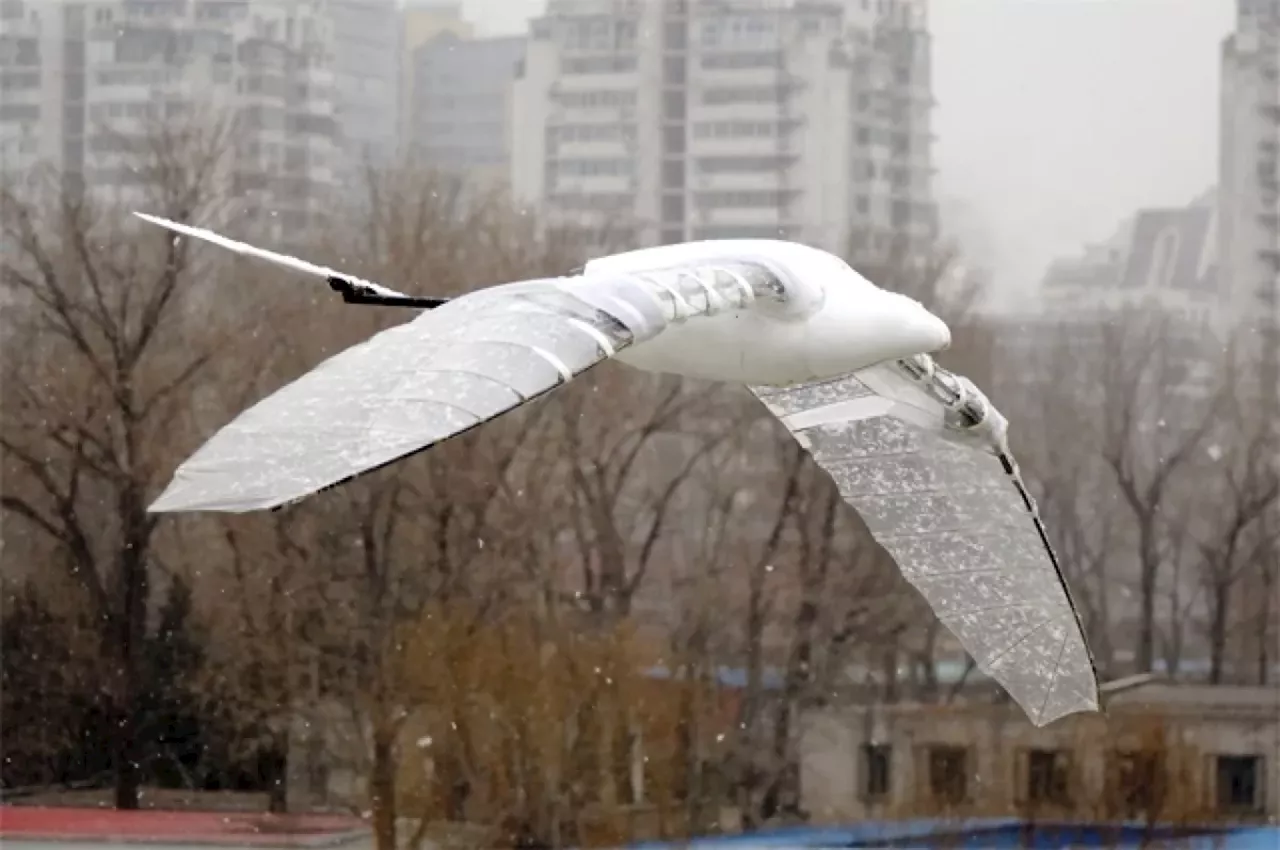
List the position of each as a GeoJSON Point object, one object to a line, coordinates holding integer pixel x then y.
{"type": "Point", "coordinates": [1166, 752]}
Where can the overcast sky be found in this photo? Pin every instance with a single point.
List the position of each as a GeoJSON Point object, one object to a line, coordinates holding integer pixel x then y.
{"type": "Point", "coordinates": [1056, 118]}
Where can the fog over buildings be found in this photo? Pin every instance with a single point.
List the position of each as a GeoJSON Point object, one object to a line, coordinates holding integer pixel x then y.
{"type": "Point", "coordinates": [1009, 134]}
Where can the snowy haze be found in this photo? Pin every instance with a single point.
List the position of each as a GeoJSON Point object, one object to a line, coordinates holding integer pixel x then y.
{"type": "Point", "coordinates": [1056, 118]}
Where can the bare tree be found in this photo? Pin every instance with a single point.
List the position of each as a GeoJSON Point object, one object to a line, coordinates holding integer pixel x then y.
{"type": "Point", "coordinates": [441, 528]}
{"type": "Point", "coordinates": [1054, 417]}
{"type": "Point", "coordinates": [1234, 501]}
{"type": "Point", "coordinates": [632, 443]}
{"type": "Point", "coordinates": [1152, 425]}
{"type": "Point", "coordinates": [95, 370]}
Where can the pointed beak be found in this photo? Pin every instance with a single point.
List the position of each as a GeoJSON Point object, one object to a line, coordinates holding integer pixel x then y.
{"type": "Point", "coordinates": [932, 331]}
{"type": "Point", "coordinates": [937, 331]}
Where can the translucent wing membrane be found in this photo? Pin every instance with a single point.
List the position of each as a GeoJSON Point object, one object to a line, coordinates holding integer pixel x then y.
{"type": "Point", "coordinates": [941, 494]}
{"type": "Point", "coordinates": [447, 371]}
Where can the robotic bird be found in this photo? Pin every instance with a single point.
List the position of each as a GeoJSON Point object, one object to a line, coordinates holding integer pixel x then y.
{"type": "Point", "coordinates": [844, 365]}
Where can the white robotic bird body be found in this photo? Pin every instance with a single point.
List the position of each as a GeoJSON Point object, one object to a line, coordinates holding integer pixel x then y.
{"type": "Point", "coordinates": [843, 365]}
{"type": "Point", "coordinates": [829, 321]}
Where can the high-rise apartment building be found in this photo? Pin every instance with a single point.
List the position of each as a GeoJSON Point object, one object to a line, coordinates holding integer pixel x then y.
{"type": "Point", "coordinates": [1249, 167]}
{"type": "Point", "coordinates": [308, 89]}
{"type": "Point", "coordinates": [1250, 238]}
{"type": "Point", "coordinates": [459, 111]}
{"type": "Point", "coordinates": [365, 55]}
{"type": "Point", "coordinates": [420, 22]}
{"type": "Point", "coordinates": [696, 119]}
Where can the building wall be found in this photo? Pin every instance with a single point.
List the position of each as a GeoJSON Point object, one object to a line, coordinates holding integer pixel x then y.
{"type": "Point", "coordinates": [1249, 151]}
{"type": "Point", "coordinates": [307, 89]}
{"type": "Point", "coordinates": [366, 51]}
{"type": "Point", "coordinates": [1161, 259]}
{"type": "Point", "coordinates": [711, 120]}
{"type": "Point", "coordinates": [421, 21]}
{"type": "Point", "coordinates": [1191, 725]}
{"type": "Point", "coordinates": [461, 105]}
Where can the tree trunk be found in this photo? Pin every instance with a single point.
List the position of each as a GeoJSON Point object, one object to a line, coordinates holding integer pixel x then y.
{"type": "Point", "coordinates": [382, 791]}
{"type": "Point", "coordinates": [278, 777]}
{"type": "Point", "coordinates": [124, 755]}
{"type": "Point", "coordinates": [129, 636]}
{"type": "Point", "coordinates": [1218, 633]}
{"type": "Point", "coordinates": [1264, 624]}
{"type": "Point", "coordinates": [1147, 591]}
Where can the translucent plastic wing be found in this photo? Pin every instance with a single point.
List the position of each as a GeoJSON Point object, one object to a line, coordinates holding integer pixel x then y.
{"type": "Point", "coordinates": [922, 457]}
{"type": "Point", "coordinates": [445, 372]}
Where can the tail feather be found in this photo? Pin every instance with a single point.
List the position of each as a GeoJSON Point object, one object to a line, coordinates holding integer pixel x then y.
{"type": "Point", "coordinates": [338, 280]}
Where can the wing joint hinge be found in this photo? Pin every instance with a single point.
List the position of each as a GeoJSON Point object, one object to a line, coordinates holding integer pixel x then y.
{"type": "Point", "coordinates": [353, 292]}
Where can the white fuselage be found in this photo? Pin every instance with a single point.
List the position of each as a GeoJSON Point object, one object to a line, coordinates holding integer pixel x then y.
{"type": "Point", "coordinates": [835, 320]}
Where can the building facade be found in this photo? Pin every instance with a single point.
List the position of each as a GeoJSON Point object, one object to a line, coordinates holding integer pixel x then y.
{"type": "Point", "coordinates": [421, 21]}
{"type": "Point", "coordinates": [1249, 168]}
{"type": "Point", "coordinates": [365, 55]}
{"type": "Point", "coordinates": [698, 119]}
{"type": "Point", "coordinates": [87, 84]}
{"type": "Point", "coordinates": [1164, 259]}
{"type": "Point", "coordinates": [459, 112]}
{"type": "Point", "coordinates": [1162, 753]}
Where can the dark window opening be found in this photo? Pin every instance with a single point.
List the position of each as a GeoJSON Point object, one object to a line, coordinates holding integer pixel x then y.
{"type": "Point", "coordinates": [1047, 776]}
{"type": "Point", "coordinates": [949, 773]}
{"type": "Point", "coordinates": [1238, 783]}
{"type": "Point", "coordinates": [875, 771]}
{"type": "Point", "coordinates": [1139, 779]}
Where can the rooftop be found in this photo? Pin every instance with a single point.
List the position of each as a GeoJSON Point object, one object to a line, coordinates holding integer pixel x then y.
{"type": "Point", "coordinates": [45, 826]}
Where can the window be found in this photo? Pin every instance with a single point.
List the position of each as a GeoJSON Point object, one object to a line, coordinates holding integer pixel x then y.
{"type": "Point", "coordinates": [673, 142]}
{"type": "Point", "coordinates": [592, 133]}
{"type": "Point", "coordinates": [876, 765]}
{"type": "Point", "coordinates": [740, 164]}
{"type": "Point", "coordinates": [1137, 778]}
{"type": "Point", "coordinates": [1238, 781]}
{"type": "Point", "coordinates": [744, 94]}
{"type": "Point", "coordinates": [1163, 259]}
{"type": "Point", "coordinates": [599, 65]}
{"type": "Point", "coordinates": [673, 174]}
{"type": "Point", "coordinates": [949, 773]}
{"type": "Point", "coordinates": [735, 129]}
{"type": "Point", "coordinates": [593, 168]}
{"type": "Point", "coordinates": [742, 61]}
{"type": "Point", "coordinates": [601, 99]}
{"type": "Point", "coordinates": [744, 199]}
{"type": "Point", "coordinates": [1047, 777]}
{"type": "Point", "coordinates": [737, 231]}
{"type": "Point", "coordinates": [673, 105]}
{"type": "Point", "coordinates": [672, 209]}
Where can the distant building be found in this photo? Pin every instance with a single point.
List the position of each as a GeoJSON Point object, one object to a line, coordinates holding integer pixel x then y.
{"type": "Point", "coordinates": [421, 21]}
{"type": "Point", "coordinates": [311, 88]}
{"type": "Point", "coordinates": [459, 113]}
{"type": "Point", "coordinates": [1249, 147]}
{"type": "Point", "coordinates": [699, 119]}
{"type": "Point", "coordinates": [1161, 258]}
{"type": "Point", "coordinates": [1168, 753]}
{"type": "Point", "coordinates": [364, 54]}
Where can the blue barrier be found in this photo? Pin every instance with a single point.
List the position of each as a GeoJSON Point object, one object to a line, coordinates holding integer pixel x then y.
{"type": "Point", "coordinates": [991, 834]}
